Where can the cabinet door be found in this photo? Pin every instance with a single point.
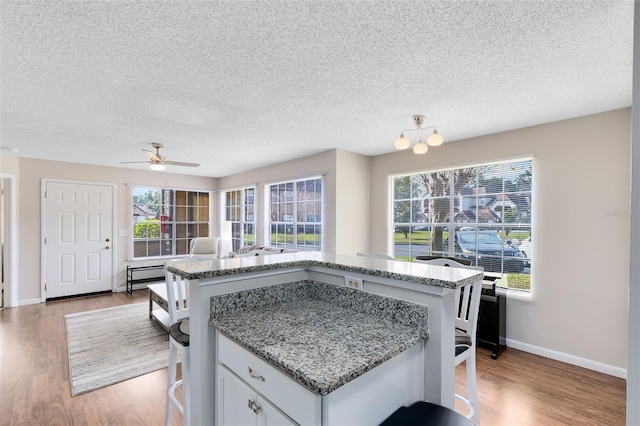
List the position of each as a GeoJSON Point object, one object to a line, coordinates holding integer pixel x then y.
{"type": "Point", "coordinates": [234, 401]}
{"type": "Point", "coordinates": [272, 416]}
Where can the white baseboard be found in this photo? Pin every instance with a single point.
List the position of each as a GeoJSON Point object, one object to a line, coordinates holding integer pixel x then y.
{"type": "Point", "coordinates": [29, 302]}
{"type": "Point", "coordinates": [569, 359]}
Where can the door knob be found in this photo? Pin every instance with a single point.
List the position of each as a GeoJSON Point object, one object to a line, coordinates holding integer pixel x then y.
{"type": "Point", "coordinates": [107, 247]}
{"type": "Point", "coordinates": [107, 240]}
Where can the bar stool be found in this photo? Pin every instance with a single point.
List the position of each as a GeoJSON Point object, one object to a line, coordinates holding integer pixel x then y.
{"type": "Point", "coordinates": [423, 413]}
{"type": "Point", "coordinates": [465, 333]}
{"type": "Point", "coordinates": [178, 305]}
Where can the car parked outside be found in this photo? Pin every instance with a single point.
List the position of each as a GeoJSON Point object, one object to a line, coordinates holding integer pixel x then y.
{"type": "Point", "coordinates": [526, 248]}
{"type": "Point", "coordinates": [487, 249]}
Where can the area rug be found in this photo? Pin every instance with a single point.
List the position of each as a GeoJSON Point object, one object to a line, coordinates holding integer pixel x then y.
{"type": "Point", "coordinates": [108, 346]}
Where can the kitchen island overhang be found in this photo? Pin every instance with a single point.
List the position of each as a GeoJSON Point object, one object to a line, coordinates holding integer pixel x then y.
{"type": "Point", "coordinates": [424, 284]}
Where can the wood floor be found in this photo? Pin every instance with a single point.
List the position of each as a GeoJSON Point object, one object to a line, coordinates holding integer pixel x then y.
{"type": "Point", "coordinates": [516, 389]}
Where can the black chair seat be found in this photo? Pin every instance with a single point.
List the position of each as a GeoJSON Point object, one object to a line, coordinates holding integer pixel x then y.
{"type": "Point", "coordinates": [180, 332]}
{"type": "Point", "coordinates": [423, 413]}
{"type": "Point", "coordinates": [463, 342]}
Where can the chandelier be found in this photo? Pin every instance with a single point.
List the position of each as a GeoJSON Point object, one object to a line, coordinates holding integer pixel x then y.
{"type": "Point", "coordinates": [435, 139]}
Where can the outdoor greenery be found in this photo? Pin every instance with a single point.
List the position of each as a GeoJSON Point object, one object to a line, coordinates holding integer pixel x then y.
{"type": "Point", "coordinates": [147, 229]}
{"type": "Point", "coordinates": [311, 239]}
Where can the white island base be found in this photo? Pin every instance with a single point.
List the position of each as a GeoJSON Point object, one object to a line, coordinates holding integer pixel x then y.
{"type": "Point", "coordinates": [252, 392]}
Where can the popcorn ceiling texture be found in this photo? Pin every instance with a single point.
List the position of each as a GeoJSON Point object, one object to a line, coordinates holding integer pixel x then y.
{"type": "Point", "coordinates": [96, 81]}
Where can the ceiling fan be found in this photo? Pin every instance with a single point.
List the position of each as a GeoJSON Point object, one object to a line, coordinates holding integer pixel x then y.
{"type": "Point", "coordinates": [157, 161]}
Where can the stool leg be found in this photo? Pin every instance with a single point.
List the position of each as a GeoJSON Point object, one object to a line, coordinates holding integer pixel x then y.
{"type": "Point", "coordinates": [472, 387]}
{"type": "Point", "coordinates": [172, 370]}
{"type": "Point", "coordinates": [186, 391]}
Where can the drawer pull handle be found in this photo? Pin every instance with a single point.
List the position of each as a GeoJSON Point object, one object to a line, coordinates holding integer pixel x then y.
{"type": "Point", "coordinates": [253, 406]}
{"type": "Point", "coordinates": [253, 376]}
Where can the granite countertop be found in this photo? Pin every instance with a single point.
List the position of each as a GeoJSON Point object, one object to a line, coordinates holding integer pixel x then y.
{"type": "Point", "coordinates": [321, 335]}
{"type": "Point", "coordinates": [418, 273]}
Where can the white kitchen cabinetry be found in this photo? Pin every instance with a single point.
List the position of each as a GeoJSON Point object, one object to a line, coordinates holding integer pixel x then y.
{"type": "Point", "coordinates": [366, 400]}
{"type": "Point", "coordinates": [240, 405]}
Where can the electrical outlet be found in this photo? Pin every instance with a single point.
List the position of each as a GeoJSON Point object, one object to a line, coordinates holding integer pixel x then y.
{"type": "Point", "coordinates": [122, 233]}
{"type": "Point", "coordinates": [355, 283]}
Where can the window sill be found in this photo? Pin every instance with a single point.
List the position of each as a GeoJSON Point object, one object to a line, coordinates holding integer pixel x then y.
{"type": "Point", "coordinates": [524, 296]}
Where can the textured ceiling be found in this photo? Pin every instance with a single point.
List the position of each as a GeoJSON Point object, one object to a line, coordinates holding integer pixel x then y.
{"type": "Point", "coordinates": [236, 85]}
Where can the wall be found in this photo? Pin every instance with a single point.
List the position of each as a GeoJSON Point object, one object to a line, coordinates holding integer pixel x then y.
{"type": "Point", "coordinates": [345, 219]}
{"type": "Point", "coordinates": [580, 196]}
{"type": "Point", "coordinates": [31, 172]}
{"type": "Point", "coordinates": [352, 203]}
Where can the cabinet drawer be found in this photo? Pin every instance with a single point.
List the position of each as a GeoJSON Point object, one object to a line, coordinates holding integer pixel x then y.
{"type": "Point", "coordinates": [302, 405]}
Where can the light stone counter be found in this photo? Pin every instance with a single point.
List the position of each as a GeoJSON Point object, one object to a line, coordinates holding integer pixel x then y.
{"type": "Point", "coordinates": [320, 335]}
{"type": "Point", "coordinates": [417, 273]}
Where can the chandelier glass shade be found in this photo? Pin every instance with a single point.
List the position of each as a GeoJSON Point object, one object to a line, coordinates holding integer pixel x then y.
{"type": "Point", "coordinates": [434, 139]}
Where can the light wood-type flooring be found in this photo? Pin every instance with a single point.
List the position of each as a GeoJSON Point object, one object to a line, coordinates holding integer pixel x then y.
{"type": "Point", "coordinates": [516, 389]}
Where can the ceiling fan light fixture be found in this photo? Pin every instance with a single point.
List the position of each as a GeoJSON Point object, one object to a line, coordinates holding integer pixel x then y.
{"type": "Point", "coordinates": [157, 167]}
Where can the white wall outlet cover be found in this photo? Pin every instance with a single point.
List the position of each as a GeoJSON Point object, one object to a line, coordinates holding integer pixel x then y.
{"type": "Point", "coordinates": [355, 283]}
{"type": "Point", "coordinates": [122, 233]}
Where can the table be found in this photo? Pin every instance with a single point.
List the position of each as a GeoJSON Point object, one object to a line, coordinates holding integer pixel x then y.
{"type": "Point", "coordinates": [158, 296]}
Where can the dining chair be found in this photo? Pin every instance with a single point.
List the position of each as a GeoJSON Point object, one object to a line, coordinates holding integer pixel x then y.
{"type": "Point", "coordinates": [206, 246]}
{"type": "Point", "coordinates": [377, 255]}
{"type": "Point", "coordinates": [178, 305]}
{"type": "Point", "coordinates": [466, 330]}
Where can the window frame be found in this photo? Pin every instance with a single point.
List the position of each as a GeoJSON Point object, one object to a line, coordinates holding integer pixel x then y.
{"type": "Point", "coordinates": [484, 198]}
{"type": "Point", "coordinates": [193, 228]}
{"type": "Point", "coordinates": [291, 204]}
{"type": "Point", "coordinates": [239, 235]}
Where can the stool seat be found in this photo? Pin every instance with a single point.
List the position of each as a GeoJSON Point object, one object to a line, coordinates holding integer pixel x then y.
{"type": "Point", "coordinates": [423, 413]}
{"type": "Point", "coordinates": [180, 332]}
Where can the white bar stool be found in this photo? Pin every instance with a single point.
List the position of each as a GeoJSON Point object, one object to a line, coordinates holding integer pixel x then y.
{"type": "Point", "coordinates": [178, 304]}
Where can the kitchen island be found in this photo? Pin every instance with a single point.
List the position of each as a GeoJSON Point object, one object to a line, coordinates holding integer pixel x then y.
{"type": "Point", "coordinates": [427, 285]}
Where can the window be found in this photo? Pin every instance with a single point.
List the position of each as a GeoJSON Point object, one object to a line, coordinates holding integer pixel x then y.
{"type": "Point", "coordinates": [296, 214]}
{"type": "Point", "coordinates": [481, 213]}
{"type": "Point", "coordinates": [240, 211]}
{"type": "Point", "coordinates": [166, 220]}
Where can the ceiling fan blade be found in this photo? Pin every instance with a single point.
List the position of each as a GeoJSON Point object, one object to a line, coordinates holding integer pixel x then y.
{"type": "Point", "coordinates": [152, 155]}
{"type": "Point", "coordinates": [134, 162]}
{"type": "Point", "coordinates": [180, 163]}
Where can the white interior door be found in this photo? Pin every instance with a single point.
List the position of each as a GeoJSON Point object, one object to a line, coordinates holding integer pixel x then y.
{"type": "Point", "coordinates": [78, 238]}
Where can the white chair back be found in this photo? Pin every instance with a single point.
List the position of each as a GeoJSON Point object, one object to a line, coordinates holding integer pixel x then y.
{"type": "Point", "coordinates": [377, 255]}
{"type": "Point", "coordinates": [469, 297]}
{"type": "Point", "coordinates": [177, 296]}
{"type": "Point", "coordinates": [205, 246]}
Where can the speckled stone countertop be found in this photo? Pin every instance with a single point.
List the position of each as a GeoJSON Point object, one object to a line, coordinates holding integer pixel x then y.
{"type": "Point", "coordinates": [321, 335]}
{"type": "Point", "coordinates": [418, 273]}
